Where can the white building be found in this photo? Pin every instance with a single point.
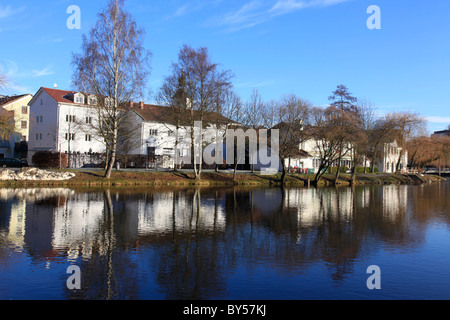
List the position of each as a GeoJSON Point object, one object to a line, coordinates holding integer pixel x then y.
{"type": "Point", "coordinates": [161, 142]}
{"type": "Point", "coordinates": [57, 124]}
{"type": "Point", "coordinates": [65, 121]}
{"type": "Point", "coordinates": [390, 153]}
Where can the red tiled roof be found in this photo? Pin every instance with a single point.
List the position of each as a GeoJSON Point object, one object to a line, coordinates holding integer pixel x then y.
{"type": "Point", "coordinates": [149, 112]}
{"type": "Point", "coordinates": [156, 113]}
{"type": "Point", "coordinates": [8, 99]}
{"type": "Point", "coordinates": [59, 95]}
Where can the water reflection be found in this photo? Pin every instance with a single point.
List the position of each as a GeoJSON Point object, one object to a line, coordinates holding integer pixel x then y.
{"type": "Point", "coordinates": [188, 244]}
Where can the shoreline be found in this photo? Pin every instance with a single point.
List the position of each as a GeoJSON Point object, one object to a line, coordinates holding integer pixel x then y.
{"type": "Point", "coordinates": [157, 180]}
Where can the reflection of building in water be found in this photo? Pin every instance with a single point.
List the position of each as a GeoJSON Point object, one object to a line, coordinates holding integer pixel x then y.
{"type": "Point", "coordinates": [312, 204]}
{"type": "Point", "coordinates": [52, 222]}
{"type": "Point", "coordinates": [394, 201]}
{"type": "Point", "coordinates": [166, 213]}
{"type": "Point", "coordinates": [77, 223]}
{"type": "Point", "coordinates": [14, 205]}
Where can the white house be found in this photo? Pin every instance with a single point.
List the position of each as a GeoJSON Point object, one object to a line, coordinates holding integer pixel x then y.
{"type": "Point", "coordinates": [57, 125]}
{"type": "Point", "coordinates": [390, 153]}
{"type": "Point", "coordinates": [163, 143]}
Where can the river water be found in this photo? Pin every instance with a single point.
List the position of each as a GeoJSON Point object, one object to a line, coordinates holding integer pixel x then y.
{"type": "Point", "coordinates": [299, 243]}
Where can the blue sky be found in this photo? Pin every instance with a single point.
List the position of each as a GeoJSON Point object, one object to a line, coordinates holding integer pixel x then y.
{"type": "Point", "coordinates": [306, 47]}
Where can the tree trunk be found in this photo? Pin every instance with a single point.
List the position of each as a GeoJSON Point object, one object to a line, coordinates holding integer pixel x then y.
{"type": "Point", "coordinates": [338, 169]}
{"type": "Point", "coordinates": [372, 162]}
{"type": "Point", "coordinates": [112, 156]}
{"type": "Point", "coordinates": [283, 174]}
{"type": "Point", "coordinates": [397, 166]}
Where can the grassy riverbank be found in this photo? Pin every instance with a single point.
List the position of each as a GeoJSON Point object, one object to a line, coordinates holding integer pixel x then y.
{"type": "Point", "coordinates": [94, 178]}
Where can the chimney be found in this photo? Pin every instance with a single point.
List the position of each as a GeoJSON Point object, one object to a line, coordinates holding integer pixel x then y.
{"type": "Point", "coordinates": [141, 105]}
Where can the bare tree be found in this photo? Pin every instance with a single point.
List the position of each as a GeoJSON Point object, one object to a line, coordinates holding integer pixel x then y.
{"type": "Point", "coordinates": [407, 125]}
{"type": "Point", "coordinates": [201, 83]}
{"type": "Point", "coordinates": [7, 125]}
{"type": "Point", "coordinates": [253, 118]}
{"type": "Point", "coordinates": [381, 132]}
{"type": "Point", "coordinates": [346, 114]}
{"type": "Point", "coordinates": [3, 81]}
{"type": "Point", "coordinates": [327, 143]}
{"type": "Point", "coordinates": [114, 66]}
{"type": "Point", "coordinates": [292, 114]}
{"type": "Point", "coordinates": [429, 151]}
{"type": "Point", "coordinates": [173, 95]}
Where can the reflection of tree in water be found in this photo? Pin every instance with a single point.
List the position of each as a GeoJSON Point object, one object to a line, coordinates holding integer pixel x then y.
{"type": "Point", "coordinates": [191, 265]}
{"type": "Point", "coordinates": [106, 274]}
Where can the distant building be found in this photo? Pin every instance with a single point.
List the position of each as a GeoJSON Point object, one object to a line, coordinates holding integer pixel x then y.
{"type": "Point", "coordinates": [16, 146]}
{"type": "Point", "coordinates": [390, 154]}
{"type": "Point", "coordinates": [442, 133]}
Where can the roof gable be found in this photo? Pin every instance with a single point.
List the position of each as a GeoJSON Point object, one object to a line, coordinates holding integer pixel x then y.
{"type": "Point", "coordinates": [5, 100]}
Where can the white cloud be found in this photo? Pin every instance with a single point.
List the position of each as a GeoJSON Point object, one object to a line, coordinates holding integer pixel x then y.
{"type": "Point", "coordinates": [41, 73]}
{"type": "Point", "coordinates": [254, 84]}
{"type": "Point", "coordinates": [11, 70]}
{"type": "Point", "coordinates": [7, 11]}
{"type": "Point", "coordinates": [256, 12]}
{"type": "Point", "coordinates": [438, 119]}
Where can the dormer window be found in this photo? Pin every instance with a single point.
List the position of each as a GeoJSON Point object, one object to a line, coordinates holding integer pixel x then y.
{"type": "Point", "coordinates": [92, 100]}
{"type": "Point", "coordinates": [108, 102]}
{"type": "Point", "coordinates": [78, 98]}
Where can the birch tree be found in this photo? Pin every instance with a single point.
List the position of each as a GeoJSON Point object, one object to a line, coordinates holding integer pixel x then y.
{"type": "Point", "coordinates": [201, 82]}
{"type": "Point", "coordinates": [114, 66]}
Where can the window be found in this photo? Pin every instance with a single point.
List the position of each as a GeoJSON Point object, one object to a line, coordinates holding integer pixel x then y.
{"type": "Point", "coordinates": [37, 136]}
{"type": "Point", "coordinates": [70, 118]}
{"type": "Point", "coordinates": [39, 119]}
{"type": "Point", "coordinates": [70, 136]}
{"type": "Point", "coordinates": [24, 124]}
{"type": "Point", "coordinates": [170, 133]}
{"type": "Point", "coordinates": [24, 110]}
{"type": "Point", "coordinates": [89, 120]}
{"type": "Point", "coordinates": [153, 132]}
{"type": "Point", "coordinates": [23, 138]}
{"type": "Point", "coordinates": [87, 137]}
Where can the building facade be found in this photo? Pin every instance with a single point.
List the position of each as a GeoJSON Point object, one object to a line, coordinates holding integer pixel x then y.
{"type": "Point", "coordinates": [16, 145]}
{"type": "Point", "coordinates": [60, 122]}
{"type": "Point", "coordinates": [391, 153]}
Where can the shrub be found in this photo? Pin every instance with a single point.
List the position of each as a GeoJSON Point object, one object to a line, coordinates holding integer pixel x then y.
{"type": "Point", "coordinates": [47, 159]}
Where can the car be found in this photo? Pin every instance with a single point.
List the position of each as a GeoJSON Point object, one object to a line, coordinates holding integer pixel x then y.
{"type": "Point", "coordinates": [12, 163]}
